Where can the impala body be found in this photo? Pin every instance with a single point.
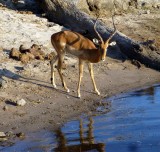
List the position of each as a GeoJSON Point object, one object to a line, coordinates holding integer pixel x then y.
{"type": "Point", "coordinates": [81, 47]}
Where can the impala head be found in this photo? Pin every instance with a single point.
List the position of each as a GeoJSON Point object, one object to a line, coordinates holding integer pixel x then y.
{"type": "Point", "coordinates": [104, 45]}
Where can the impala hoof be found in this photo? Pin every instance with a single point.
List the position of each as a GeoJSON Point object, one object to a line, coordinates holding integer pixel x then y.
{"type": "Point", "coordinates": [79, 96]}
{"type": "Point", "coordinates": [54, 86]}
{"type": "Point", "coordinates": [68, 90]}
{"type": "Point", "coordinates": [98, 93]}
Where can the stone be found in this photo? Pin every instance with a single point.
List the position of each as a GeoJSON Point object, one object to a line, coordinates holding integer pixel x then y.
{"type": "Point", "coordinates": [102, 5]}
{"type": "Point", "coordinates": [37, 52]}
{"type": "Point", "coordinates": [10, 134]}
{"type": "Point", "coordinates": [5, 108]}
{"type": "Point", "coordinates": [108, 5]}
{"type": "Point", "coordinates": [20, 135]}
{"type": "Point", "coordinates": [39, 57]}
{"type": "Point", "coordinates": [31, 56]}
{"type": "Point", "coordinates": [36, 47]}
{"type": "Point", "coordinates": [3, 83]}
{"type": "Point", "coordinates": [24, 58]}
{"type": "Point", "coordinates": [1, 48]}
{"type": "Point", "coordinates": [21, 102]}
{"type": "Point", "coordinates": [148, 12]}
{"type": "Point", "coordinates": [2, 135]}
{"type": "Point", "coordinates": [15, 54]}
{"type": "Point", "coordinates": [23, 49]}
{"type": "Point", "coordinates": [50, 56]}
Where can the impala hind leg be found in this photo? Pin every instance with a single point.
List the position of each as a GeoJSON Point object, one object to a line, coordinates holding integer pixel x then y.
{"type": "Point", "coordinates": [90, 67]}
{"type": "Point", "coordinates": [59, 68]}
{"type": "Point", "coordinates": [80, 77]}
{"type": "Point", "coordinates": [53, 61]}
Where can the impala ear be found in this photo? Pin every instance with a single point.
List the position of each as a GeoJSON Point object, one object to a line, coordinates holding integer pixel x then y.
{"type": "Point", "coordinates": [96, 41]}
{"type": "Point", "coordinates": [112, 43]}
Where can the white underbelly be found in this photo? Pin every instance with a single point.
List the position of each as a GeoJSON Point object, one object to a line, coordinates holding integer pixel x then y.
{"type": "Point", "coordinates": [73, 51]}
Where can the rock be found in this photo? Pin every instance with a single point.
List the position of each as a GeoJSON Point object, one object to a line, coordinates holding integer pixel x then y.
{"type": "Point", "coordinates": [21, 4]}
{"type": "Point", "coordinates": [31, 56]}
{"type": "Point", "coordinates": [2, 135]}
{"type": "Point", "coordinates": [15, 54]}
{"type": "Point", "coordinates": [3, 83]}
{"type": "Point", "coordinates": [39, 57]}
{"type": "Point", "coordinates": [50, 56]}
{"type": "Point", "coordinates": [37, 52]}
{"type": "Point", "coordinates": [24, 58]}
{"type": "Point", "coordinates": [148, 12]}
{"type": "Point", "coordinates": [93, 6]}
{"type": "Point", "coordinates": [10, 134]}
{"type": "Point", "coordinates": [3, 139]}
{"type": "Point", "coordinates": [21, 102]}
{"type": "Point", "coordinates": [41, 53]}
{"type": "Point", "coordinates": [102, 5]}
{"type": "Point", "coordinates": [1, 48]}
{"type": "Point", "coordinates": [136, 63]}
{"type": "Point", "coordinates": [108, 5]}
{"type": "Point", "coordinates": [20, 135]}
{"type": "Point", "coordinates": [25, 12]}
{"type": "Point", "coordinates": [67, 97]}
{"type": "Point", "coordinates": [8, 3]}
{"type": "Point", "coordinates": [23, 49]}
{"type": "Point", "coordinates": [64, 66]}
{"type": "Point", "coordinates": [73, 66]}
{"type": "Point", "coordinates": [27, 54]}
{"type": "Point", "coordinates": [5, 108]}
{"type": "Point", "coordinates": [36, 47]}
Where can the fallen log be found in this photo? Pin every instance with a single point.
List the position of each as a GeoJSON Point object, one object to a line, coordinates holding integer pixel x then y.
{"type": "Point", "coordinates": [65, 13]}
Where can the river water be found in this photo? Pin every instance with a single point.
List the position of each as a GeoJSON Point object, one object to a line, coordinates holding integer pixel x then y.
{"type": "Point", "coordinates": [131, 125]}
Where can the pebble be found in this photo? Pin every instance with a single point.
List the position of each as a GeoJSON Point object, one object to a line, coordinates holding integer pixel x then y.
{"type": "Point", "coordinates": [20, 135]}
{"type": "Point", "coordinates": [67, 97]}
{"type": "Point", "coordinates": [5, 108]}
{"type": "Point", "coordinates": [3, 139]}
{"type": "Point", "coordinates": [21, 102]}
{"type": "Point", "coordinates": [10, 134]}
{"type": "Point", "coordinates": [73, 66]}
{"type": "Point", "coordinates": [2, 135]}
{"type": "Point", "coordinates": [3, 83]}
{"type": "Point", "coordinates": [1, 49]}
{"type": "Point", "coordinates": [148, 12]}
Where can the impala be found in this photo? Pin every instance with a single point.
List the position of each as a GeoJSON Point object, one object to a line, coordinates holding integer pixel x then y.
{"type": "Point", "coordinates": [81, 47]}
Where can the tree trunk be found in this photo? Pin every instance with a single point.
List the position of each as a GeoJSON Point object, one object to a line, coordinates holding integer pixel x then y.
{"type": "Point", "coordinates": [66, 14]}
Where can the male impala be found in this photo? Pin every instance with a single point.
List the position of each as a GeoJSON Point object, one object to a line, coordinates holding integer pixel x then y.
{"type": "Point", "coordinates": [81, 47]}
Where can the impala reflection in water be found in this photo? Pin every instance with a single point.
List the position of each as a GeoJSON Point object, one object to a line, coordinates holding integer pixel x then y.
{"type": "Point", "coordinates": [83, 141]}
{"type": "Point", "coordinates": [131, 125]}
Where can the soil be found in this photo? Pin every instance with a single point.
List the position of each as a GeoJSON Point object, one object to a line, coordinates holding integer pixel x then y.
{"type": "Point", "coordinates": [48, 108]}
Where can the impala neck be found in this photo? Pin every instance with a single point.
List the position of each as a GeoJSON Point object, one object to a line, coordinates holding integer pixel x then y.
{"type": "Point", "coordinates": [102, 54]}
{"type": "Point", "coordinates": [97, 56]}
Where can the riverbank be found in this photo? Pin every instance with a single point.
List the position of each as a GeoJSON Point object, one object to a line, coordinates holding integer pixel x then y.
{"type": "Point", "coordinates": [48, 108]}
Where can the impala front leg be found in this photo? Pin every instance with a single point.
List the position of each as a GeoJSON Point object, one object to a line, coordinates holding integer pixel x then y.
{"type": "Point", "coordinates": [90, 67]}
{"type": "Point", "coordinates": [53, 70]}
{"type": "Point", "coordinates": [80, 77]}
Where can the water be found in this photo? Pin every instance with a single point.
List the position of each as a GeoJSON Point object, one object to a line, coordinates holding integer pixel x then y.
{"type": "Point", "coordinates": [131, 125]}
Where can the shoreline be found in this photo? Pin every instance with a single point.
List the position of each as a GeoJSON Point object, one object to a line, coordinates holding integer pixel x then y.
{"type": "Point", "coordinates": [60, 107]}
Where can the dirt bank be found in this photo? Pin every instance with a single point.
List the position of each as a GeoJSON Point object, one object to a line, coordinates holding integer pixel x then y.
{"type": "Point", "coordinates": [47, 107]}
